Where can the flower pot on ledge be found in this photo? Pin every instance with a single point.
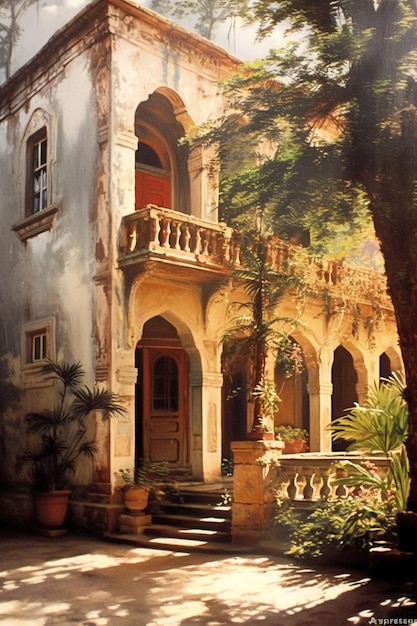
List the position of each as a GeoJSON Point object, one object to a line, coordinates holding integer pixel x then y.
{"type": "Point", "coordinates": [295, 447]}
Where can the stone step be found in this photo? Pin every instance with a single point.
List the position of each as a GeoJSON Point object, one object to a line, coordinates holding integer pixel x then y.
{"type": "Point", "coordinates": [178, 544]}
{"type": "Point", "coordinates": [208, 522]}
{"type": "Point", "coordinates": [187, 533]}
{"type": "Point", "coordinates": [196, 510]}
{"type": "Point", "coordinates": [219, 497]}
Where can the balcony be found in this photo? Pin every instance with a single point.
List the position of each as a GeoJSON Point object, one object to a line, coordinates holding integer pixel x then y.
{"type": "Point", "coordinates": [156, 239]}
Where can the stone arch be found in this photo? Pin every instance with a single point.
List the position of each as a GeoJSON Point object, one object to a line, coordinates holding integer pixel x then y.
{"type": "Point", "coordinates": [395, 360]}
{"type": "Point", "coordinates": [297, 388]}
{"type": "Point", "coordinates": [165, 336]}
{"type": "Point", "coordinates": [160, 122]}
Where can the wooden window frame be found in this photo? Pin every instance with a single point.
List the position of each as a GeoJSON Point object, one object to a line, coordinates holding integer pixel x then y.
{"type": "Point", "coordinates": [37, 346]}
{"type": "Point", "coordinates": [37, 169]}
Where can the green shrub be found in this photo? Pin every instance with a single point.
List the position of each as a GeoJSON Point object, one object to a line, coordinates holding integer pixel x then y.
{"type": "Point", "coordinates": [352, 523]}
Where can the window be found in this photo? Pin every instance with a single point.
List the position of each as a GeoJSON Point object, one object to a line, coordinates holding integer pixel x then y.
{"type": "Point", "coordinates": [38, 350]}
{"type": "Point", "coordinates": [165, 384]}
{"type": "Point", "coordinates": [38, 344]}
{"type": "Point", "coordinates": [37, 174]}
{"type": "Point", "coordinates": [38, 152]}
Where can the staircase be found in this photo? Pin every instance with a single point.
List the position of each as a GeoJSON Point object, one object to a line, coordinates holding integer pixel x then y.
{"type": "Point", "coordinates": [196, 517]}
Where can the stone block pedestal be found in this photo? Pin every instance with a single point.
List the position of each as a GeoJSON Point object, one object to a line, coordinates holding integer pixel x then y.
{"type": "Point", "coordinates": [133, 524]}
{"type": "Point", "coordinates": [254, 483]}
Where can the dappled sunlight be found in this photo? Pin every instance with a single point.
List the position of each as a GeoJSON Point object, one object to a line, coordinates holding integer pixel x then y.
{"type": "Point", "coordinates": [93, 583]}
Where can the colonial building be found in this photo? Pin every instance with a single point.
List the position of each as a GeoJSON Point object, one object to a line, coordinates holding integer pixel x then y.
{"type": "Point", "coordinates": [112, 255]}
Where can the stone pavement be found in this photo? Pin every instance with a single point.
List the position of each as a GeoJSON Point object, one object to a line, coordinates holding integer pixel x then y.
{"type": "Point", "coordinates": [82, 580]}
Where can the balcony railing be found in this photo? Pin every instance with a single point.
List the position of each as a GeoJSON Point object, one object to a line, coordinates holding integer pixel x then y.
{"type": "Point", "coordinates": [310, 477]}
{"type": "Point", "coordinates": [159, 234]}
{"type": "Point", "coordinates": [156, 233]}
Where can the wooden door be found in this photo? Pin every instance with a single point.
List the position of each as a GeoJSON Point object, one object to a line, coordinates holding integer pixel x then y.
{"type": "Point", "coordinates": [165, 406]}
{"type": "Point", "coordinates": [152, 189]}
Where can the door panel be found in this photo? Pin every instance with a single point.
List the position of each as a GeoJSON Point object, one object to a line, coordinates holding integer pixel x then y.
{"type": "Point", "coordinates": [165, 415]}
{"type": "Point", "coordinates": [150, 189]}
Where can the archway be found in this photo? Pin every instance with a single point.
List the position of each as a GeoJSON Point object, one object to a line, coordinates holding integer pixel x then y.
{"type": "Point", "coordinates": [161, 396]}
{"type": "Point", "coordinates": [161, 161]}
{"type": "Point", "coordinates": [291, 384]}
{"type": "Point", "coordinates": [344, 380]}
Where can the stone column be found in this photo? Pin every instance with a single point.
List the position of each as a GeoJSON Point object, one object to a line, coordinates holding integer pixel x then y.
{"type": "Point", "coordinates": [254, 483]}
{"type": "Point", "coordinates": [320, 416]}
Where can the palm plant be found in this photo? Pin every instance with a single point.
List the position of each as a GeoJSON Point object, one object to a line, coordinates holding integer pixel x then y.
{"type": "Point", "coordinates": [65, 430]}
{"type": "Point", "coordinates": [257, 330]}
{"type": "Point", "coordinates": [379, 426]}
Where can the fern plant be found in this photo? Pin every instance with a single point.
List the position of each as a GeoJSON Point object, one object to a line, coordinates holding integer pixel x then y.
{"type": "Point", "coordinates": [379, 426]}
{"type": "Point", "coordinates": [65, 431]}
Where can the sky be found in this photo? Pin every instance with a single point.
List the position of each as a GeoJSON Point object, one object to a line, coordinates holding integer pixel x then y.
{"type": "Point", "coordinates": [45, 17]}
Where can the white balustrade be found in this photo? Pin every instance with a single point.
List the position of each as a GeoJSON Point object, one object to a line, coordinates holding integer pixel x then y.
{"type": "Point", "coordinates": [311, 477]}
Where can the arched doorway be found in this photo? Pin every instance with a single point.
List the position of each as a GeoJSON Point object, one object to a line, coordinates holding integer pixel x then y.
{"type": "Point", "coordinates": [161, 161]}
{"type": "Point", "coordinates": [384, 366]}
{"type": "Point", "coordinates": [291, 379]}
{"type": "Point", "coordinates": [152, 177]}
{"type": "Point", "coordinates": [344, 379]}
{"type": "Point", "coordinates": [162, 422]}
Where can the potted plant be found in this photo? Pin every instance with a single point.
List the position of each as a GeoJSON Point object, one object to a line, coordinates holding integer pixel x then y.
{"type": "Point", "coordinates": [138, 483]}
{"type": "Point", "coordinates": [64, 436]}
{"type": "Point", "coordinates": [294, 438]}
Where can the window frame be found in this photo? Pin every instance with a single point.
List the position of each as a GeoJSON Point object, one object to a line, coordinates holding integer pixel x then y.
{"type": "Point", "coordinates": [37, 170]}
{"type": "Point", "coordinates": [32, 368]}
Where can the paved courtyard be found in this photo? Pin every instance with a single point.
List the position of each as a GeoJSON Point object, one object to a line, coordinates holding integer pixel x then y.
{"type": "Point", "coordinates": [78, 579]}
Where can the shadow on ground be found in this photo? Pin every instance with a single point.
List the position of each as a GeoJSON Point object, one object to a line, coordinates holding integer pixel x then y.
{"type": "Point", "coordinates": [83, 580]}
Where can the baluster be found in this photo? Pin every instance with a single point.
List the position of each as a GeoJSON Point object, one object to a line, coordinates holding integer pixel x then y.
{"type": "Point", "coordinates": [186, 236]}
{"type": "Point", "coordinates": [308, 490]}
{"type": "Point", "coordinates": [133, 236]}
{"type": "Point", "coordinates": [197, 245]}
{"type": "Point", "coordinates": [341, 491]}
{"type": "Point", "coordinates": [165, 232]}
{"type": "Point", "coordinates": [154, 232]}
{"type": "Point", "coordinates": [205, 240]}
{"type": "Point", "coordinates": [226, 249]}
{"type": "Point", "coordinates": [325, 490]}
{"type": "Point", "coordinates": [292, 489]}
{"type": "Point", "coordinates": [175, 236]}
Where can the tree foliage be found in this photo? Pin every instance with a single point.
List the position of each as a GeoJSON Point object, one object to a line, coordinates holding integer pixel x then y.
{"type": "Point", "coordinates": [11, 12]}
{"type": "Point", "coordinates": [207, 14]}
{"type": "Point", "coordinates": [334, 115]}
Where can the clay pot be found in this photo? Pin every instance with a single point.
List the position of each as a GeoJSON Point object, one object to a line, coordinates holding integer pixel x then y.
{"type": "Point", "coordinates": [136, 499]}
{"type": "Point", "coordinates": [51, 508]}
{"type": "Point", "coordinates": [294, 447]}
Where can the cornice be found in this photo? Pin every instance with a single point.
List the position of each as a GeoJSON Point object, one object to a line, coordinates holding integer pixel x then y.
{"type": "Point", "coordinates": [100, 20]}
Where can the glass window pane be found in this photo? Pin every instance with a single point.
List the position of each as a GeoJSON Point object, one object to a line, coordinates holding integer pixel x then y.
{"type": "Point", "coordinates": [43, 152]}
{"type": "Point", "coordinates": [165, 385]}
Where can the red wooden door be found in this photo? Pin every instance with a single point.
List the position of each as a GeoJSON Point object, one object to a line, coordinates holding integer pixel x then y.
{"type": "Point", "coordinates": [151, 189]}
{"type": "Point", "coordinates": [165, 413]}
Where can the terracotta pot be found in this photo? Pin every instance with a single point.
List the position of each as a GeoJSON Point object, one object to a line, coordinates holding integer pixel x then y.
{"type": "Point", "coordinates": [294, 447]}
{"type": "Point", "coordinates": [136, 499]}
{"type": "Point", "coordinates": [51, 508]}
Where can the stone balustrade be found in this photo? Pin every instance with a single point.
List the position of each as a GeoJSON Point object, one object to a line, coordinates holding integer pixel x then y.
{"type": "Point", "coordinates": [178, 237]}
{"type": "Point", "coordinates": [310, 476]}
{"type": "Point", "coordinates": [158, 233]}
